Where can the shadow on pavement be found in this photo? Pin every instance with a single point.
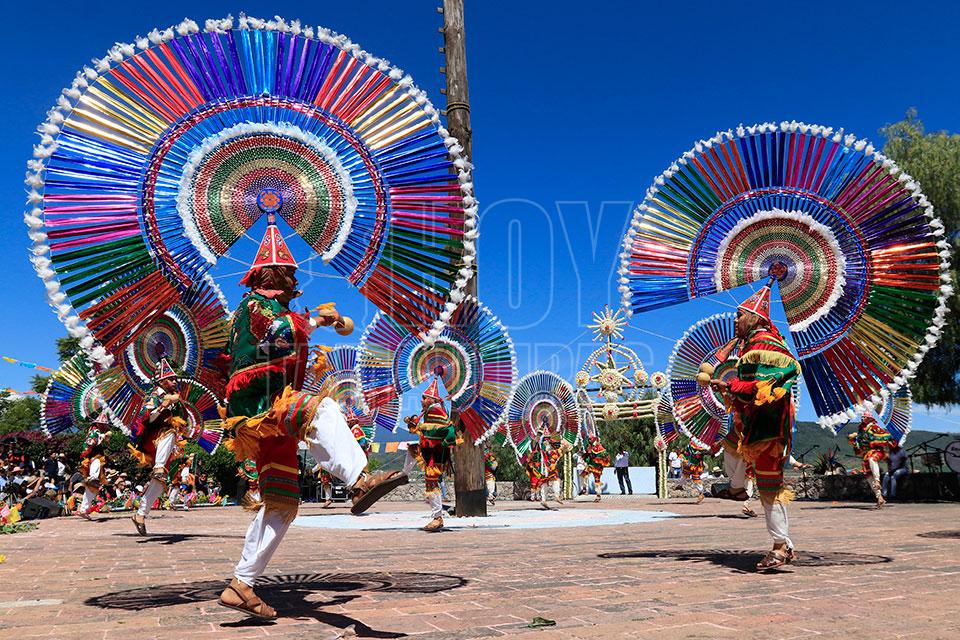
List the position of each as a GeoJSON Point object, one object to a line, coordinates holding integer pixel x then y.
{"type": "Point", "coordinates": [289, 595]}
{"type": "Point", "coordinates": [739, 560]}
{"type": "Point", "coordinates": [954, 534]}
{"type": "Point", "coordinates": [171, 538]}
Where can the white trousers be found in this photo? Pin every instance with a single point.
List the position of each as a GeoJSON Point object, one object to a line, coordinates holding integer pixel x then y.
{"type": "Point", "coordinates": [778, 523]}
{"type": "Point", "coordinates": [263, 537]}
{"type": "Point", "coordinates": [435, 500]}
{"type": "Point", "coordinates": [874, 479]}
{"type": "Point", "coordinates": [86, 503]}
{"type": "Point", "coordinates": [172, 495]}
{"type": "Point", "coordinates": [155, 487]}
{"type": "Point", "coordinates": [332, 444]}
{"type": "Point", "coordinates": [555, 487]}
{"type": "Point", "coordinates": [150, 495]}
{"type": "Point", "coordinates": [491, 488]}
{"type": "Point", "coordinates": [736, 469]}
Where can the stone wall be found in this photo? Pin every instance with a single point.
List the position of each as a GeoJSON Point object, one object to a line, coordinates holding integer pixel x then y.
{"type": "Point", "coordinates": [915, 487]}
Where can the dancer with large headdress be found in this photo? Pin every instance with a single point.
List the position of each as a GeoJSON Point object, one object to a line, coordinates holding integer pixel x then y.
{"type": "Point", "coordinates": [437, 437]}
{"type": "Point", "coordinates": [862, 267]}
{"type": "Point", "coordinates": [268, 352]}
{"type": "Point", "coordinates": [691, 468]}
{"type": "Point", "coordinates": [595, 459]}
{"type": "Point", "coordinates": [162, 431]}
{"type": "Point", "coordinates": [763, 419]}
{"type": "Point", "coordinates": [93, 465]}
{"type": "Point", "coordinates": [872, 443]}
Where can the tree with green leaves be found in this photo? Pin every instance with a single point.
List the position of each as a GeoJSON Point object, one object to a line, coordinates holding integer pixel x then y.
{"type": "Point", "coordinates": [933, 159]}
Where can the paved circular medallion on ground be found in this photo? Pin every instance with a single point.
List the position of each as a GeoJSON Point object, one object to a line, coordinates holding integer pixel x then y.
{"type": "Point", "coordinates": [513, 519]}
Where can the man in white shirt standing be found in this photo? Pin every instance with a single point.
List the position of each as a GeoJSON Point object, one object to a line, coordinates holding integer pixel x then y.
{"type": "Point", "coordinates": [622, 465]}
{"type": "Point", "coordinates": [676, 464]}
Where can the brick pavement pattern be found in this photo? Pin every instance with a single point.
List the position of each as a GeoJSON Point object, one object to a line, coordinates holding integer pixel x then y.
{"type": "Point", "coordinates": [862, 573]}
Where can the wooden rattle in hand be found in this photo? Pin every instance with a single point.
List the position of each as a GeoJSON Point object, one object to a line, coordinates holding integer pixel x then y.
{"type": "Point", "coordinates": [327, 315]}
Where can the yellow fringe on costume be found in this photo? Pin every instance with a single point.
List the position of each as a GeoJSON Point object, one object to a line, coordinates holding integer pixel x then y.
{"type": "Point", "coordinates": [766, 393]}
{"type": "Point", "coordinates": [770, 358]}
{"type": "Point", "coordinates": [249, 504]}
{"type": "Point", "coordinates": [786, 495]}
{"type": "Point", "coordinates": [750, 452]}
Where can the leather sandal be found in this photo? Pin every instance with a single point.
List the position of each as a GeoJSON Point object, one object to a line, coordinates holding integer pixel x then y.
{"type": "Point", "coordinates": [727, 493]}
{"type": "Point", "coordinates": [776, 558]}
{"type": "Point", "coordinates": [372, 487]}
{"type": "Point", "coordinates": [141, 525]}
{"type": "Point", "coordinates": [251, 605]}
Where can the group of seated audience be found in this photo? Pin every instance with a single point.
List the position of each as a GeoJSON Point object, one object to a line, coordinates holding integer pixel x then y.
{"type": "Point", "coordinates": [23, 478]}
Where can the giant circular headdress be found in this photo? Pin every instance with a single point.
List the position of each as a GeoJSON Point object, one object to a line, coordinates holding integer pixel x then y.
{"type": "Point", "coordinates": [342, 382]}
{"type": "Point", "coordinates": [896, 413]}
{"type": "Point", "coordinates": [699, 411]}
{"type": "Point", "coordinates": [473, 356]}
{"type": "Point", "coordinates": [71, 397]}
{"type": "Point", "coordinates": [161, 156]}
{"type": "Point", "coordinates": [542, 405]}
{"type": "Point", "coordinates": [667, 430]}
{"type": "Point", "coordinates": [191, 333]}
{"type": "Point", "coordinates": [866, 265]}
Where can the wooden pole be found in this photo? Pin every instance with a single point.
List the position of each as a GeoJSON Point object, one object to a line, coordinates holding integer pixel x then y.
{"type": "Point", "coordinates": [467, 457]}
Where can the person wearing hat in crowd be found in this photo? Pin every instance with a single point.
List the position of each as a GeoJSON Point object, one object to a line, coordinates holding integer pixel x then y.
{"type": "Point", "coordinates": [162, 430]}
{"type": "Point", "coordinates": [437, 437]}
{"type": "Point", "coordinates": [93, 463]}
{"type": "Point", "coordinates": [872, 443]}
{"type": "Point", "coordinates": [763, 418]}
{"type": "Point", "coordinates": [266, 359]}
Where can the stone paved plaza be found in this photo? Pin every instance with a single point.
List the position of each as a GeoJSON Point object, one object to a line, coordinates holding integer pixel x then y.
{"type": "Point", "coordinates": [862, 573]}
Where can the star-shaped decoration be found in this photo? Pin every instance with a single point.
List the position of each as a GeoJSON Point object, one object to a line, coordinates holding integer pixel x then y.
{"type": "Point", "coordinates": [608, 325]}
{"type": "Point", "coordinates": [609, 376]}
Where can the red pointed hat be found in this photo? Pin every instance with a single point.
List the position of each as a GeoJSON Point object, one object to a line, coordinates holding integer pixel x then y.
{"type": "Point", "coordinates": [433, 391]}
{"type": "Point", "coordinates": [273, 252]}
{"type": "Point", "coordinates": [102, 418]}
{"type": "Point", "coordinates": [164, 370]}
{"type": "Point", "coordinates": [437, 412]}
{"type": "Point", "coordinates": [758, 303]}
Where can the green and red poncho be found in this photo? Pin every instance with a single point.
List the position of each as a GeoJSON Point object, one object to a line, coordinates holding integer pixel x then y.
{"type": "Point", "coordinates": [595, 458]}
{"type": "Point", "coordinates": [268, 350]}
{"type": "Point", "coordinates": [762, 404]}
{"type": "Point", "coordinates": [871, 442]}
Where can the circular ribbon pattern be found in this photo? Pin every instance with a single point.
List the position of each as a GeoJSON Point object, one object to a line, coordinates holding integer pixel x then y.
{"type": "Point", "coordinates": [667, 430]}
{"type": "Point", "coordinates": [473, 356]}
{"type": "Point", "coordinates": [699, 412]}
{"type": "Point", "coordinates": [342, 382]}
{"type": "Point", "coordinates": [71, 397]}
{"type": "Point", "coordinates": [254, 168]}
{"type": "Point", "coordinates": [867, 272]}
{"type": "Point", "coordinates": [202, 407]}
{"type": "Point", "coordinates": [159, 158]}
{"type": "Point", "coordinates": [191, 334]}
{"type": "Point", "coordinates": [542, 404]}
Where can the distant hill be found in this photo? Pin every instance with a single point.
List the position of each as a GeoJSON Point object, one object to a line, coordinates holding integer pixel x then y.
{"type": "Point", "coordinates": [810, 434]}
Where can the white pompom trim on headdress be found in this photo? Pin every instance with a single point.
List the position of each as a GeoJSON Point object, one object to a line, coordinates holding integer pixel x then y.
{"type": "Point", "coordinates": [850, 141]}
{"type": "Point", "coordinates": [120, 52]}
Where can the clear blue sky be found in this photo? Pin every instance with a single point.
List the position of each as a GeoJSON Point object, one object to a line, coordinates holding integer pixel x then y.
{"type": "Point", "coordinates": [575, 106]}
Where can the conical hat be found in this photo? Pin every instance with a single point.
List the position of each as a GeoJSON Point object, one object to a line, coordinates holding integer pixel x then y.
{"type": "Point", "coordinates": [273, 252]}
